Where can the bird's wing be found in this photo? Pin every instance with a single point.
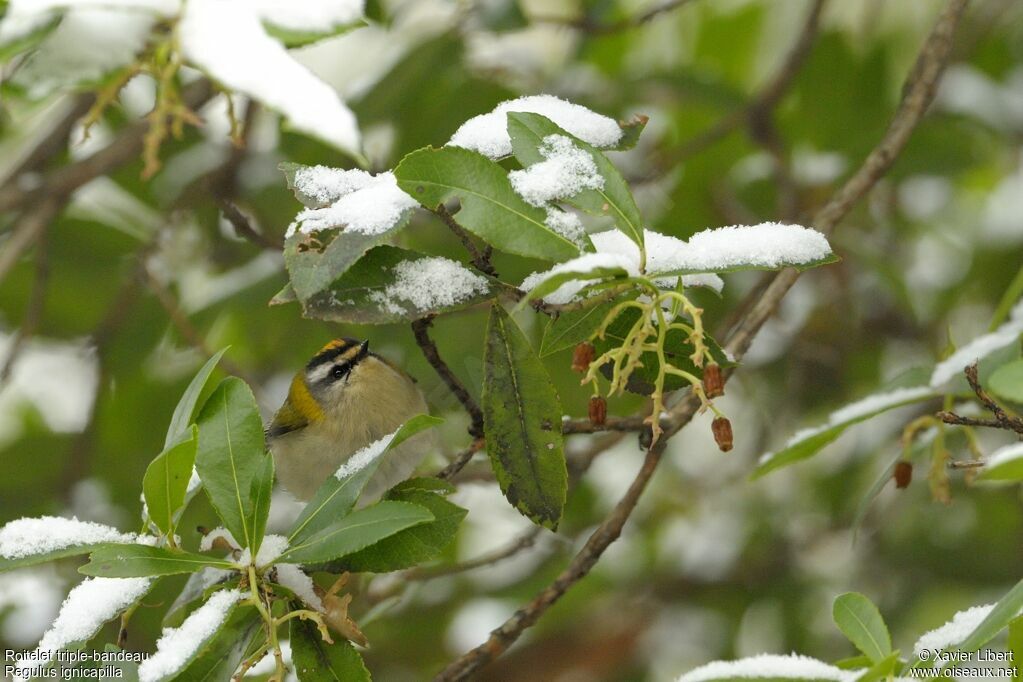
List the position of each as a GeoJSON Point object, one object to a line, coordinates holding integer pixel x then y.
{"type": "Point", "coordinates": [286, 420]}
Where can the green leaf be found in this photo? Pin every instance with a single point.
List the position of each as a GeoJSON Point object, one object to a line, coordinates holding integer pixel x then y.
{"type": "Point", "coordinates": [490, 207]}
{"type": "Point", "coordinates": [363, 294]}
{"type": "Point", "coordinates": [1004, 464]}
{"type": "Point", "coordinates": [231, 455]}
{"type": "Point", "coordinates": [551, 284]}
{"type": "Point", "coordinates": [424, 483]}
{"type": "Point", "coordinates": [1006, 610]}
{"type": "Point", "coordinates": [317, 661]}
{"type": "Point", "coordinates": [217, 659]}
{"type": "Point", "coordinates": [881, 670]}
{"type": "Point", "coordinates": [313, 267]}
{"type": "Point", "coordinates": [138, 561]}
{"type": "Point", "coordinates": [44, 557]}
{"type": "Point", "coordinates": [412, 546]}
{"type": "Point", "coordinates": [187, 407]}
{"type": "Point", "coordinates": [1007, 381]}
{"type": "Point", "coordinates": [522, 422]}
{"type": "Point", "coordinates": [860, 621]}
{"type": "Point", "coordinates": [166, 481]}
{"type": "Point", "coordinates": [262, 486]}
{"type": "Point", "coordinates": [810, 441]}
{"type": "Point", "coordinates": [676, 350]}
{"type": "Point", "coordinates": [359, 529]}
{"type": "Point", "coordinates": [631, 130]}
{"type": "Point", "coordinates": [1015, 645]}
{"type": "Point", "coordinates": [292, 37]}
{"type": "Point", "coordinates": [336, 497]}
{"type": "Point", "coordinates": [27, 41]}
{"type": "Point", "coordinates": [615, 199]}
{"type": "Point", "coordinates": [570, 328]}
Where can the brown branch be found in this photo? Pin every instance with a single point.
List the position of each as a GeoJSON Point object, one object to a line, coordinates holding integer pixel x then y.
{"type": "Point", "coordinates": [764, 101]}
{"type": "Point", "coordinates": [1001, 420]}
{"type": "Point", "coordinates": [461, 459]}
{"type": "Point", "coordinates": [53, 142]}
{"type": "Point", "coordinates": [523, 542]}
{"type": "Point", "coordinates": [480, 259]}
{"type": "Point", "coordinates": [34, 309]}
{"type": "Point", "coordinates": [127, 147]}
{"type": "Point", "coordinates": [592, 27]}
{"type": "Point", "coordinates": [29, 228]}
{"type": "Point", "coordinates": [420, 329]}
{"type": "Point", "coordinates": [243, 226]}
{"type": "Point", "coordinates": [919, 91]}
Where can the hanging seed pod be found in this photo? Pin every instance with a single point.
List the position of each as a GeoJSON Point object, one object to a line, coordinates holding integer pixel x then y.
{"type": "Point", "coordinates": [722, 429]}
{"type": "Point", "coordinates": [598, 411]}
{"type": "Point", "coordinates": [713, 384]}
{"type": "Point", "coordinates": [582, 356]}
{"type": "Point", "coordinates": [903, 474]}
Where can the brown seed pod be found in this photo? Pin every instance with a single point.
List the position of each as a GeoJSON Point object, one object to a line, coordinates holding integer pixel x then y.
{"type": "Point", "coordinates": [903, 474]}
{"type": "Point", "coordinates": [713, 384]}
{"type": "Point", "coordinates": [582, 356]}
{"type": "Point", "coordinates": [722, 429]}
{"type": "Point", "coordinates": [598, 411]}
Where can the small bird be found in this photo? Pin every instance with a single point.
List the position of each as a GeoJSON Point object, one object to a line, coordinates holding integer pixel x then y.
{"type": "Point", "coordinates": [345, 399]}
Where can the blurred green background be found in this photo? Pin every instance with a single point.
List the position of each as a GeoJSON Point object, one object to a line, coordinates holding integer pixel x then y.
{"type": "Point", "coordinates": [711, 565]}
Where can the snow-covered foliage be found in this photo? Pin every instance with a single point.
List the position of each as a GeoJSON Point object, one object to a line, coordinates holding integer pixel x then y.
{"type": "Point", "coordinates": [429, 283]}
{"type": "Point", "coordinates": [227, 39]}
{"type": "Point", "coordinates": [565, 171]}
{"type": "Point", "coordinates": [978, 349]}
{"type": "Point", "coordinates": [88, 606]}
{"type": "Point", "coordinates": [352, 199]}
{"type": "Point", "coordinates": [954, 631]}
{"type": "Point", "coordinates": [178, 645]}
{"type": "Point", "coordinates": [770, 666]}
{"type": "Point", "coordinates": [32, 536]}
{"type": "Point", "coordinates": [488, 133]}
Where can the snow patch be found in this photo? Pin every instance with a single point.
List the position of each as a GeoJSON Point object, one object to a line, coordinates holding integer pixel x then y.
{"type": "Point", "coordinates": [565, 171]}
{"type": "Point", "coordinates": [178, 645]}
{"type": "Point", "coordinates": [29, 537]}
{"type": "Point", "coordinates": [954, 631]}
{"type": "Point", "coordinates": [773, 666]}
{"type": "Point", "coordinates": [488, 133]}
{"type": "Point", "coordinates": [1004, 455]}
{"type": "Point", "coordinates": [428, 284]}
{"type": "Point", "coordinates": [978, 349]}
{"type": "Point", "coordinates": [364, 457]}
{"type": "Point", "coordinates": [88, 606]}
{"type": "Point", "coordinates": [359, 202]}
{"type": "Point", "coordinates": [296, 580]}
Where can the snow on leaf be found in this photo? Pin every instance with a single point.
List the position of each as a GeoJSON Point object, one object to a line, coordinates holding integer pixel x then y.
{"type": "Point", "coordinates": [488, 133]}
{"type": "Point", "coordinates": [296, 580]}
{"type": "Point", "coordinates": [429, 284]}
{"type": "Point", "coordinates": [27, 537]}
{"type": "Point", "coordinates": [231, 45]}
{"type": "Point", "coordinates": [565, 171]}
{"type": "Point", "coordinates": [955, 631]}
{"type": "Point", "coordinates": [314, 16]}
{"type": "Point", "coordinates": [88, 606]}
{"type": "Point", "coordinates": [1004, 464]}
{"type": "Point", "coordinates": [738, 247]}
{"type": "Point", "coordinates": [615, 249]}
{"type": "Point", "coordinates": [358, 201]}
{"type": "Point", "coordinates": [978, 349]}
{"type": "Point", "coordinates": [770, 666]}
{"type": "Point", "coordinates": [178, 645]}
{"type": "Point", "coordinates": [566, 223]}
{"type": "Point", "coordinates": [86, 45]}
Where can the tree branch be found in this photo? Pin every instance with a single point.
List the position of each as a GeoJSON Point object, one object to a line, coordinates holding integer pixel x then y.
{"type": "Point", "coordinates": [29, 228]}
{"type": "Point", "coordinates": [1001, 419]}
{"type": "Point", "coordinates": [588, 25]}
{"type": "Point", "coordinates": [420, 329]}
{"type": "Point", "coordinates": [481, 259]}
{"type": "Point", "coordinates": [919, 91]}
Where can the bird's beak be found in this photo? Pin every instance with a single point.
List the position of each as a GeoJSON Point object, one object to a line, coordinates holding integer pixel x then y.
{"type": "Point", "coordinates": [363, 349]}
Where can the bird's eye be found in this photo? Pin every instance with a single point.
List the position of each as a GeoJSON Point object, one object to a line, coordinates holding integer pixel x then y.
{"type": "Point", "coordinates": [338, 372]}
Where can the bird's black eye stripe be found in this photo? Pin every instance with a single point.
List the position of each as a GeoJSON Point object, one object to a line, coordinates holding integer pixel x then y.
{"type": "Point", "coordinates": [341, 370]}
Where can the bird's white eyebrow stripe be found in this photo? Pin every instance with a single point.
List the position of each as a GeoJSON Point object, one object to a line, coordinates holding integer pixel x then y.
{"type": "Point", "coordinates": [320, 372]}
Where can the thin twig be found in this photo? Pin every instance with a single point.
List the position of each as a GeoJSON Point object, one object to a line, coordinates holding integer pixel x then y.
{"type": "Point", "coordinates": [34, 310]}
{"type": "Point", "coordinates": [764, 101]}
{"type": "Point", "coordinates": [919, 92]}
{"type": "Point", "coordinates": [243, 226]}
{"type": "Point", "coordinates": [29, 228]}
{"type": "Point", "coordinates": [588, 25]}
{"type": "Point", "coordinates": [480, 259]}
{"type": "Point", "coordinates": [53, 142]}
{"type": "Point", "coordinates": [1001, 419]}
{"type": "Point", "coordinates": [523, 542]}
{"type": "Point", "coordinates": [461, 459]}
{"type": "Point", "coordinates": [420, 329]}
{"type": "Point", "coordinates": [125, 149]}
